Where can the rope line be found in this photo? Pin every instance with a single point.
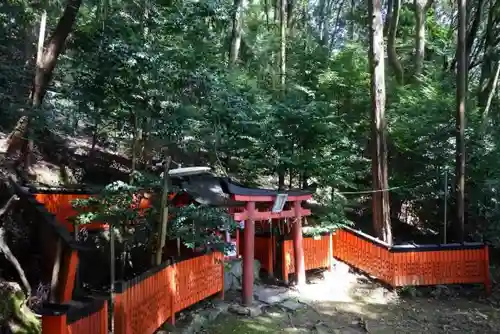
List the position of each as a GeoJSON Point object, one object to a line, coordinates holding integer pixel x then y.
{"type": "Point", "coordinates": [366, 191]}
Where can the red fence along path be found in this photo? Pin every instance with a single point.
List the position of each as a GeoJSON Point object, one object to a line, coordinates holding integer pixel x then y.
{"type": "Point", "coordinates": [143, 304]}
{"type": "Point", "coordinates": [413, 265]}
{"type": "Point", "coordinates": [317, 254]}
{"type": "Point", "coordinates": [76, 318]}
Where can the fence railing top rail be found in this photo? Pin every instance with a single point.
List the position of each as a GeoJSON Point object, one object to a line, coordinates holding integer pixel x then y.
{"type": "Point", "coordinates": [74, 309]}
{"type": "Point", "coordinates": [415, 247]}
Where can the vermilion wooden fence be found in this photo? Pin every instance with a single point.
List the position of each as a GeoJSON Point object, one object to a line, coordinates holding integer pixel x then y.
{"type": "Point", "coordinates": [60, 205]}
{"type": "Point", "coordinates": [265, 252]}
{"type": "Point", "coordinates": [83, 317]}
{"type": "Point", "coordinates": [413, 265]}
{"type": "Point", "coordinates": [57, 246]}
{"type": "Point", "coordinates": [400, 265]}
{"type": "Point", "coordinates": [317, 254]}
{"type": "Point", "coordinates": [144, 303]}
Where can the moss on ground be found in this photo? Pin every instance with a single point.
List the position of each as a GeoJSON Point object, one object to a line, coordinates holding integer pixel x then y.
{"type": "Point", "coordinates": [273, 321]}
{"type": "Point", "coordinates": [14, 315]}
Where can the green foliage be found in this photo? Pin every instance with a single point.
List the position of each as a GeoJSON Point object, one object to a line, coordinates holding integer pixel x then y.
{"type": "Point", "coordinates": [162, 68]}
{"type": "Point", "coordinates": [195, 225]}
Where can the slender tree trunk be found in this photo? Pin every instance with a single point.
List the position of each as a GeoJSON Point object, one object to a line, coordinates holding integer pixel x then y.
{"type": "Point", "coordinates": [282, 71]}
{"type": "Point", "coordinates": [420, 9]}
{"type": "Point", "coordinates": [162, 233]}
{"type": "Point", "coordinates": [46, 63]}
{"type": "Point", "coordinates": [391, 42]}
{"type": "Point", "coordinates": [266, 9]}
{"type": "Point", "coordinates": [54, 48]}
{"type": "Point", "coordinates": [352, 23]}
{"type": "Point", "coordinates": [137, 136]}
{"type": "Point", "coordinates": [485, 80]}
{"type": "Point", "coordinates": [381, 208]}
{"type": "Point", "coordinates": [283, 45]}
{"type": "Point", "coordinates": [325, 38]}
{"type": "Point", "coordinates": [388, 16]}
{"type": "Point", "coordinates": [474, 28]}
{"type": "Point", "coordinates": [490, 98]}
{"type": "Point", "coordinates": [460, 117]}
{"type": "Point", "coordinates": [236, 32]}
{"type": "Point", "coordinates": [41, 38]}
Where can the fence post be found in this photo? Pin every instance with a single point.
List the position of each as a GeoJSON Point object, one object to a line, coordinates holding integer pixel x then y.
{"type": "Point", "coordinates": [330, 252]}
{"type": "Point", "coordinates": [284, 266]}
{"type": "Point", "coordinates": [487, 278]}
{"type": "Point", "coordinates": [54, 319]}
{"type": "Point", "coordinates": [68, 280]}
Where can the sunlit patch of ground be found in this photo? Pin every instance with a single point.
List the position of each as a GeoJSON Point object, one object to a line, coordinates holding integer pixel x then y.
{"type": "Point", "coordinates": [346, 303]}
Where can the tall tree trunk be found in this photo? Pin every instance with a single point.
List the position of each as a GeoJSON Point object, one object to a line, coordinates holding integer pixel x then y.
{"type": "Point", "coordinates": [266, 9]}
{"type": "Point", "coordinates": [381, 208]}
{"type": "Point", "coordinates": [46, 63]}
{"type": "Point", "coordinates": [391, 42]}
{"type": "Point", "coordinates": [289, 10]}
{"type": "Point", "coordinates": [53, 50]}
{"type": "Point", "coordinates": [485, 80]}
{"type": "Point", "coordinates": [490, 98]}
{"type": "Point", "coordinates": [41, 39]}
{"type": "Point", "coordinates": [325, 37]}
{"type": "Point", "coordinates": [471, 36]}
{"type": "Point", "coordinates": [474, 28]}
{"type": "Point", "coordinates": [352, 23]}
{"type": "Point", "coordinates": [282, 71]}
{"type": "Point", "coordinates": [420, 10]}
{"type": "Point", "coordinates": [321, 17]}
{"type": "Point", "coordinates": [419, 38]}
{"type": "Point", "coordinates": [283, 45]}
{"type": "Point", "coordinates": [388, 16]}
{"type": "Point", "coordinates": [460, 117]}
{"type": "Point", "coordinates": [234, 49]}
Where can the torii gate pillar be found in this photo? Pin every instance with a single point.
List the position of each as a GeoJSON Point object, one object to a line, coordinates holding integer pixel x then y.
{"type": "Point", "coordinates": [298, 249]}
{"type": "Point", "coordinates": [248, 255]}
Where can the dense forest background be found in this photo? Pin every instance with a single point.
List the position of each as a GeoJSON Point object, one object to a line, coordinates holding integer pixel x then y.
{"type": "Point", "coordinates": [270, 93]}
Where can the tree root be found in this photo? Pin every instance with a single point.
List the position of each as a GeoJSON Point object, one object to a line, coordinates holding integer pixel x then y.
{"type": "Point", "coordinates": [5, 249]}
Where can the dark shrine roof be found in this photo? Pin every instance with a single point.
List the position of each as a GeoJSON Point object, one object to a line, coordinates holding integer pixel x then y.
{"type": "Point", "coordinates": [238, 189]}
{"type": "Point", "coordinates": [211, 190]}
{"type": "Point", "coordinates": [208, 190]}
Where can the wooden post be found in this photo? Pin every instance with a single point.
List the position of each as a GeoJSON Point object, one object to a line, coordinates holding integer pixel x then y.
{"type": "Point", "coordinates": [55, 279]}
{"type": "Point", "coordinates": [487, 278]}
{"type": "Point", "coordinates": [162, 233]}
{"type": "Point", "coordinates": [248, 255]}
{"type": "Point", "coordinates": [298, 250]}
{"type": "Point", "coordinates": [54, 324]}
{"type": "Point", "coordinates": [68, 282]}
{"type": "Point", "coordinates": [330, 252]}
{"type": "Point", "coordinates": [238, 250]}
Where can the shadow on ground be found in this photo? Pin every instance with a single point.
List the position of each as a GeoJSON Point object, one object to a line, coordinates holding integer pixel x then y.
{"type": "Point", "coordinates": [352, 304]}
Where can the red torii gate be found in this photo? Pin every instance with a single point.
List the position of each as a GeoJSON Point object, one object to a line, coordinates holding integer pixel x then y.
{"type": "Point", "coordinates": [250, 214]}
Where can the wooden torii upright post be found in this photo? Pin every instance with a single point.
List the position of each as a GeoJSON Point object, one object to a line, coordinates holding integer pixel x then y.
{"type": "Point", "coordinates": [298, 249]}
{"type": "Point", "coordinates": [249, 254]}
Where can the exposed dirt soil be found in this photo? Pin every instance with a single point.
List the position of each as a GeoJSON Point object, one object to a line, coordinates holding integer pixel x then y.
{"type": "Point", "coordinates": [354, 304]}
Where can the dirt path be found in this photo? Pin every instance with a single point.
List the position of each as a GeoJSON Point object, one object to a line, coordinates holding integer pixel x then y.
{"type": "Point", "coordinates": [417, 316]}
{"type": "Point", "coordinates": [358, 305]}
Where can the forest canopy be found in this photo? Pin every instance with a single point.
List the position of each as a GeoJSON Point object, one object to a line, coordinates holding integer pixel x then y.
{"type": "Point", "coordinates": [271, 93]}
